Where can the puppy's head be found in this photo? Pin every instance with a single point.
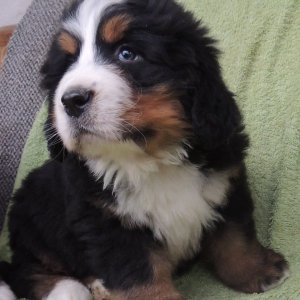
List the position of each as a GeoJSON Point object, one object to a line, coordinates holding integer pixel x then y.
{"type": "Point", "coordinates": [138, 72]}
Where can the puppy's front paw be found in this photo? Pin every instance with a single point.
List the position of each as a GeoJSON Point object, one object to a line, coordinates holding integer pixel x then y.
{"type": "Point", "coordinates": [275, 271]}
{"type": "Point", "coordinates": [68, 289]}
{"type": "Point", "coordinates": [99, 292]}
{"type": "Point", "coordinates": [5, 292]}
{"type": "Point", "coordinates": [271, 271]}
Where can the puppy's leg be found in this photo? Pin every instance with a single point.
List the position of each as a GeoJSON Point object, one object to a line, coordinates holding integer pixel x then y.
{"type": "Point", "coordinates": [161, 286]}
{"type": "Point", "coordinates": [242, 263]}
{"type": "Point", "coordinates": [239, 260]}
{"type": "Point", "coordinates": [128, 261]}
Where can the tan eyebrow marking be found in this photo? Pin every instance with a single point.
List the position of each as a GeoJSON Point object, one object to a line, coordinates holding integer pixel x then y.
{"type": "Point", "coordinates": [114, 29]}
{"type": "Point", "coordinates": [67, 42]}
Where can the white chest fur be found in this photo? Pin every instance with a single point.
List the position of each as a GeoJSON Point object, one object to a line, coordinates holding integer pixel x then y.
{"type": "Point", "coordinates": [174, 200]}
{"type": "Point", "coordinates": [171, 203]}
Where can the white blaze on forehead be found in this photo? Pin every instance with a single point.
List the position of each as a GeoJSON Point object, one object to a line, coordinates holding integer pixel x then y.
{"type": "Point", "coordinates": [84, 25]}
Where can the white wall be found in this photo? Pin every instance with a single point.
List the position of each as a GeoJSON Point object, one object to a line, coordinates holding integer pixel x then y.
{"type": "Point", "coordinates": [11, 11]}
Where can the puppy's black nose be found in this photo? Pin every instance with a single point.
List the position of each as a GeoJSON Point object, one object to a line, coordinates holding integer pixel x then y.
{"type": "Point", "coordinates": [75, 102]}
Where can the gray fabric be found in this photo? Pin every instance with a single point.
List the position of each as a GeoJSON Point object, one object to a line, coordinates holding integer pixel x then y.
{"type": "Point", "coordinates": [20, 95]}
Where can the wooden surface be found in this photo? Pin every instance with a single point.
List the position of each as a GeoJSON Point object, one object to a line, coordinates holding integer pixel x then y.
{"type": "Point", "coordinates": [5, 35]}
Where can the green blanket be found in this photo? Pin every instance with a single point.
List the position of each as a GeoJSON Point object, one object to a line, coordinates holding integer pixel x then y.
{"type": "Point", "coordinates": [260, 40]}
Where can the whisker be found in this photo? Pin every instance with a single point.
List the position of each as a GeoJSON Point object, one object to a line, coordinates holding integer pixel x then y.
{"type": "Point", "coordinates": [132, 126]}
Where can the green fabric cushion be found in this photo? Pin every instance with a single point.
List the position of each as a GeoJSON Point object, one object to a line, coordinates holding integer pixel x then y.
{"type": "Point", "coordinates": [261, 45]}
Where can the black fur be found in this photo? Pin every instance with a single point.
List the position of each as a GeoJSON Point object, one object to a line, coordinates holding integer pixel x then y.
{"type": "Point", "coordinates": [55, 218]}
{"type": "Point", "coordinates": [177, 52]}
{"type": "Point", "coordinates": [56, 215]}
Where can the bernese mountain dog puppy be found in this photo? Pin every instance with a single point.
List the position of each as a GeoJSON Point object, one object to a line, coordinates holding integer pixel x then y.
{"type": "Point", "coordinates": [147, 168]}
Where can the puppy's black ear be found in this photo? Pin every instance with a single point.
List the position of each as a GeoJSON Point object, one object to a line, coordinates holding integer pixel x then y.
{"type": "Point", "coordinates": [55, 65]}
{"type": "Point", "coordinates": [215, 115]}
{"type": "Point", "coordinates": [212, 108]}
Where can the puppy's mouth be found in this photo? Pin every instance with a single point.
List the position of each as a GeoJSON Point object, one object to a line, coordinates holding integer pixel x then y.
{"type": "Point", "coordinates": [84, 134]}
{"type": "Point", "coordinates": [83, 131]}
{"type": "Point", "coordinates": [140, 136]}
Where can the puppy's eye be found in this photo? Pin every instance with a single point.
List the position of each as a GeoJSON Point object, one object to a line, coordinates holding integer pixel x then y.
{"type": "Point", "coordinates": [126, 54]}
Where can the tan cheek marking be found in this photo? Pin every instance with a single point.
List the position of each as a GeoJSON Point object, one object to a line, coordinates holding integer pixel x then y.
{"type": "Point", "coordinates": [68, 43]}
{"type": "Point", "coordinates": [161, 111]}
{"type": "Point", "coordinates": [114, 29]}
